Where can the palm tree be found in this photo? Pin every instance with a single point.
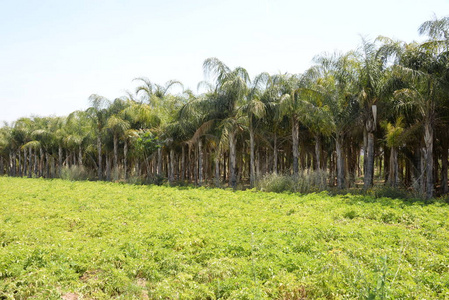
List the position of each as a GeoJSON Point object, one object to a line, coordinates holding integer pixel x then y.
{"type": "Point", "coordinates": [231, 87]}
{"type": "Point", "coordinates": [372, 82]}
{"type": "Point", "coordinates": [118, 127]}
{"type": "Point", "coordinates": [438, 46]}
{"type": "Point", "coordinates": [394, 139]}
{"type": "Point", "coordinates": [423, 68]}
{"type": "Point", "coordinates": [291, 106]}
{"type": "Point", "coordinates": [98, 115]}
{"type": "Point", "coordinates": [254, 108]}
{"type": "Point", "coordinates": [161, 102]}
{"type": "Point", "coordinates": [336, 83]}
{"type": "Point", "coordinates": [76, 131]}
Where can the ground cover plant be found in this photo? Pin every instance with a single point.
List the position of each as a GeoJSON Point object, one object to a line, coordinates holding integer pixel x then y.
{"type": "Point", "coordinates": [101, 240]}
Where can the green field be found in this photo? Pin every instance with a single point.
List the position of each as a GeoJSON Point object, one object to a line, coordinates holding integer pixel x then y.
{"type": "Point", "coordinates": [97, 240]}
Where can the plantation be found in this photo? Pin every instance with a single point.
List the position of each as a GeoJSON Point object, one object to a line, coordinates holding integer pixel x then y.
{"type": "Point", "coordinates": [100, 240]}
{"type": "Point", "coordinates": [379, 113]}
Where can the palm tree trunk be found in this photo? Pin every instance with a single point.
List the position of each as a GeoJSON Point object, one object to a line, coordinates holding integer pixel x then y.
{"type": "Point", "coordinates": [108, 168]}
{"type": "Point", "coordinates": [47, 164]}
{"type": "Point", "coordinates": [257, 162]}
{"type": "Point", "coordinates": [369, 173]}
{"type": "Point", "coordinates": [53, 167]}
{"type": "Point", "coordinates": [365, 150]}
{"type": "Point", "coordinates": [191, 168]}
{"type": "Point", "coordinates": [393, 173]}
{"type": "Point", "coordinates": [100, 171]}
{"type": "Point", "coordinates": [20, 163]}
{"type": "Point", "coordinates": [159, 161]}
{"type": "Point", "coordinates": [275, 153]}
{"type": "Point", "coordinates": [25, 162]}
{"type": "Point", "coordinates": [340, 162]}
{"type": "Point", "coordinates": [295, 148]}
{"type": "Point", "coordinates": [115, 157]}
{"type": "Point", "coordinates": [12, 158]}
{"type": "Point", "coordinates": [125, 160]}
{"type": "Point", "coordinates": [172, 166]}
{"type": "Point", "coordinates": [59, 159]}
{"type": "Point", "coordinates": [12, 165]}
{"type": "Point", "coordinates": [36, 162]}
{"type": "Point", "coordinates": [41, 162]}
{"type": "Point", "coordinates": [80, 156]}
{"type": "Point", "coordinates": [200, 162]}
{"type": "Point", "coordinates": [30, 162]}
{"type": "Point", "coordinates": [225, 171]}
{"type": "Point", "coordinates": [183, 162]}
{"type": "Point", "coordinates": [318, 151]}
{"type": "Point", "coordinates": [232, 160]}
{"type": "Point", "coordinates": [444, 163]}
{"type": "Point", "coordinates": [428, 139]}
{"type": "Point", "coordinates": [252, 171]}
{"type": "Point", "coordinates": [217, 168]}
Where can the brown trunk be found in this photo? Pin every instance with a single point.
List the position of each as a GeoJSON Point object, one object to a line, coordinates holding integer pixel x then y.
{"type": "Point", "coordinates": [252, 169]}
{"type": "Point", "coordinates": [25, 162]}
{"type": "Point", "coordinates": [183, 163]}
{"type": "Point", "coordinates": [47, 164]}
{"type": "Point", "coordinates": [295, 145]}
{"type": "Point", "coordinates": [340, 162]}
{"type": "Point", "coordinates": [225, 166]}
{"type": "Point", "coordinates": [444, 158]}
{"type": "Point", "coordinates": [159, 162]}
{"type": "Point", "coordinates": [232, 160]}
{"type": "Point", "coordinates": [318, 152]}
{"type": "Point", "coordinates": [41, 162]}
{"type": "Point", "coordinates": [200, 162]}
{"type": "Point", "coordinates": [275, 154]}
{"type": "Point", "coordinates": [172, 166]}
{"type": "Point", "coordinates": [30, 164]}
{"type": "Point", "coordinates": [80, 156]}
{"type": "Point", "coordinates": [115, 157]}
{"type": "Point", "coordinates": [100, 171]}
{"type": "Point", "coordinates": [108, 168]}
{"type": "Point", "coordinates": [393, 173]}
{"type": "Point", "coordinates": [217, 169]}
{"type": "Point", "coordinates": [125, 159]}
{"type": "Point", "coordinates": [369, 156]}
{"type": "Point", "coordinates": [53, 167]}
{"type": "Point", "coordinates": [428, 139]}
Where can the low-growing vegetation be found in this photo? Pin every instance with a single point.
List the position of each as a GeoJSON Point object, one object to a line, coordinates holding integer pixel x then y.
{"type": "Point", "coordinates": [100, 240]}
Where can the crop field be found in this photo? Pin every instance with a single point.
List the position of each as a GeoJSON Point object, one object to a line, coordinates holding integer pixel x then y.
{"type": "Point", "coordinates": [97, 240]}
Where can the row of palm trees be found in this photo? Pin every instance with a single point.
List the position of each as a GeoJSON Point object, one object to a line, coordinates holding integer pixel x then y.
{"type": "Point", "coordinates": [381, 107]}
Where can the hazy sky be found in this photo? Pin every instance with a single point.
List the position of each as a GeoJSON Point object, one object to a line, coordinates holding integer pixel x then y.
{"type": "Point", "coordinates": [54, 54]}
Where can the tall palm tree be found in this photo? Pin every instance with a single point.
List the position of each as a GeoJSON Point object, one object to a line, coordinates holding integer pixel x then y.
{"type": "Point", "coordinates": [423, 68]}
{"type": "Point", "coordinates": [290, 106]}
{"type": "Point", "coordinates": [231, 87]}
{"type": "Point", "coordinates": [77, 130]}
{"type": "Point", "coordinates": [118, 127]}
{"type": "Point", "coordinates": [372, 82]}
{"type": "Point", "coordinates": [337, 84]}
{"type": "Point", "coordinates": [254, 108]}
{"type": "Point", "coordinates": [98, 116]}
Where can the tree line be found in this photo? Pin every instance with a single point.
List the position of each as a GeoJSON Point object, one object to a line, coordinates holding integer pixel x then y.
{"type": "Point", "coordinates": [381, 109]}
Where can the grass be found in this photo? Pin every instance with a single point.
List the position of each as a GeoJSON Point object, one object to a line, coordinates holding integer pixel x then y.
{"type": "Point", "coordinates": [97, 240]}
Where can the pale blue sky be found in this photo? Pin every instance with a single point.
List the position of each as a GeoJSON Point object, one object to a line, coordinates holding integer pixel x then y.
{"type": "Point", "coordinates": [54, 54]}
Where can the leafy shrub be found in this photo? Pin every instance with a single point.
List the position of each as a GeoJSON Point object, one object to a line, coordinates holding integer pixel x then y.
{"type": "Point", "coordinates": [389, 192]}
{"type": "Point", "coordinates": [75, 173]}
{"type": "Point", "coordinates": [303, 183]}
